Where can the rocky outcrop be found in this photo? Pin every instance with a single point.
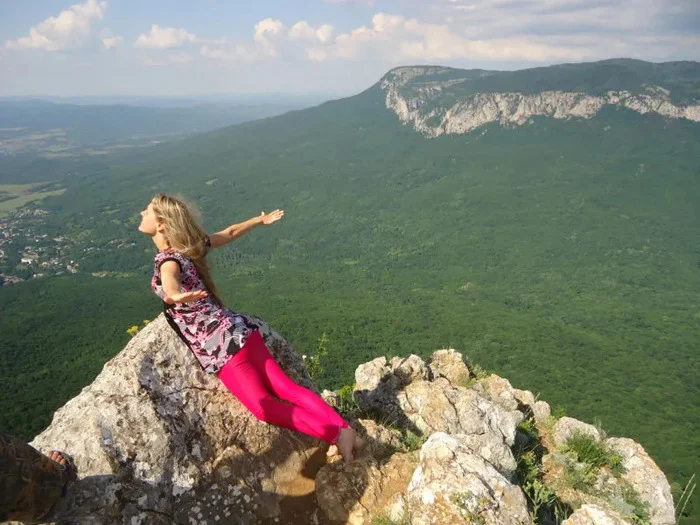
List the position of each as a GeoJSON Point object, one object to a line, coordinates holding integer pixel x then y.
{"type": "Point", "coordinates": [454, 483]}
{"type": "Point", "coordinates": [430, 106]}
{"type": "Point", "coordinates": [157, 441]}
{"type": "Point", "coordinates": [646, 479]}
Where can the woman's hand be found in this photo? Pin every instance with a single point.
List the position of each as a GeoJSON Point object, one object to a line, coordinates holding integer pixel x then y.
{"type": "Point", "coordinates": [269, 218]}
{"type": "Point", "coordinates": [186, 297]}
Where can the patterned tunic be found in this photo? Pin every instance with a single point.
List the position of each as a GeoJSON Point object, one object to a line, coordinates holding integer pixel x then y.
{"type": "Point", "coordinates": [214, 334]}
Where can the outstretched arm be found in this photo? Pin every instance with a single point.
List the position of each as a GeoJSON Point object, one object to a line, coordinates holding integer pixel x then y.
{"type": "Point", "coordinates": [170, 275]}
{"type": "Point", "coordinates": [237, 230]}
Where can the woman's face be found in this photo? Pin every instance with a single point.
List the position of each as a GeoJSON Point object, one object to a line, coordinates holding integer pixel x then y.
{"type": "Point", "coordinates": [149, 222]}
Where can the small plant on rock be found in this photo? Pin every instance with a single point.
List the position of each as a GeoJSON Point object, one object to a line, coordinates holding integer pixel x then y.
{"type": "Point", "coordinates": [585, 449]}
{"type": "Point", "coordinates": [544, 503]}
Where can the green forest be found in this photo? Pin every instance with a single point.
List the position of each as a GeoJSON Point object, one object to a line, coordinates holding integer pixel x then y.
{"type": "Point", "coordinates": [561, 255]}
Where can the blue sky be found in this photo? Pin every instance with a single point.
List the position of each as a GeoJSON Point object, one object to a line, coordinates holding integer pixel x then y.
{"type": "Point", "coordinates": [202, 47]}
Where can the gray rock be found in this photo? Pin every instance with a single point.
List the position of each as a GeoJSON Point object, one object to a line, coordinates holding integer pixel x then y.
{"type": "Point", "coordinates": [351, 494]}
{"type": "Point", "coordinates": [452, 484]}
{"type": "Point", "coordinates": [566, 427]}
{"type": "Point", "coordinates": [595, 515]}
{"type": "Point", "coordinates": [409, 369]}
{"type": "Point", "coordinates": [498, 390]}
{"type": "Point", "coordinates": [646, 479]}
{"type": "Point", "coordinates": [541, 411]}
{"type": "Point", "coordinates": [155, 438]}
{"type": "Point", "coordinates": [450, 365]}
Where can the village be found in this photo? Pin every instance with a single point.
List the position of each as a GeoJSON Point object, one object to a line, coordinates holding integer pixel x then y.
{"type": "Point", "coordinates": [27, 253]}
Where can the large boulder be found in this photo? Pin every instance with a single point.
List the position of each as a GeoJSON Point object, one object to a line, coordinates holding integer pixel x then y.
{"type": "Point", "coordinates": [353, 494]}
{"type": "Point", "coordinates": [646, 479]}
{"type": "Point", "coordinates": [156, 440]}
{"type": "Point", "coordinates": [454, 484]}
{"type": "Point", "coordinates": [450, 365]}
{"type": "Point", "coordinates": [566, 427]}
{"type": "Point", "coordinates": [414, 402]}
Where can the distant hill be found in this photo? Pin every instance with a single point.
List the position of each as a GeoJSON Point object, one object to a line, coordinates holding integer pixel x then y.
{"type": "Point", "coordinates": [90, 125]}
{"type": "Point", "coordinates": [557, 249]}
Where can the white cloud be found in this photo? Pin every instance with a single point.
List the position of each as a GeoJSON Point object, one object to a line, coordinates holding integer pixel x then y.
{"type": "Point", "coordinates": [67, 30]}
{"type": "Point", "coordinates": [303, 31]}
{"type": "Point", "coordinates": [164, 38]}
{"type": "Point", "coordinates": [398, 39]}
{"type": "Point", "coordinates": [112, 42]}
{"type": "Point", "coordinates": [265, 33]}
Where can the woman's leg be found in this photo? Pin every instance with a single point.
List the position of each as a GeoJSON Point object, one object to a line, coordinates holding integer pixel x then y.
{"type": "Point", "coordinates": [245, 376]}
{"type": "Point", "coordinates": [283, 387]}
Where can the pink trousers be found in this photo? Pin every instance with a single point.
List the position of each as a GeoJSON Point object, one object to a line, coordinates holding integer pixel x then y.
{"type": "Point", "coordinates": [253, 376]}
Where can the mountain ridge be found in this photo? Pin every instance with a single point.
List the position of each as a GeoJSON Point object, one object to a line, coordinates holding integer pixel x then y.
{"type": "Point", "coordinates": [435, 100]}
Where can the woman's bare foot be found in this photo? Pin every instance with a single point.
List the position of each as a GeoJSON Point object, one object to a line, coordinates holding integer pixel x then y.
{"type": "Point", "coordinates": [56, 456]}
{"type": "Point", "coordinates": [359, 442]}
{"type": "Point", "coordinates": [346, 440]}
{"type": "Point", "coordinates": [332, 451]}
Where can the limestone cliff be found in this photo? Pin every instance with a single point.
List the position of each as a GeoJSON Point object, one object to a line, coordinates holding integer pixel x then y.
{"type": "Point", "coordinates": [435, 106]}
{"type": "Point", "coordinates": [157, 441]}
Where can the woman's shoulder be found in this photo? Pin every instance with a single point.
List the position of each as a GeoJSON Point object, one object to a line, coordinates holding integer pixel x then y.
{"type": "Point", "coordinates": [171, 255]}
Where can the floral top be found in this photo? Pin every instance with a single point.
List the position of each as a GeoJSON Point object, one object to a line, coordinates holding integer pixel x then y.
{"type": "Point", "coordinates": [214, 334]}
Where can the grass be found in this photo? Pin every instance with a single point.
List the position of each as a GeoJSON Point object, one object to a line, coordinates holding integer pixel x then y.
{"type": "Point", "coordinates": [588, 457]}
{"type": "Point", "coordinates": [384, 519]}
{"type": "Point", "coordinates": [595, 455]}
{"type": "Point", "coordinates": [545, 506]}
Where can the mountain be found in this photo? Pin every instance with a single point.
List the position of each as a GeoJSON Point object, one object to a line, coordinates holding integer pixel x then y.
{"type": "Point", "coordinates": [437, 100]}
{"type": "Point", "coordinates": [157, 441]}
{"type": "Point", "coordinates": [558, 249]}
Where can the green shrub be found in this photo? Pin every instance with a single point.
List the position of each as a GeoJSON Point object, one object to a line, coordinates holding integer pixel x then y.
{"type": "Point", "coordinates": [594, 454]}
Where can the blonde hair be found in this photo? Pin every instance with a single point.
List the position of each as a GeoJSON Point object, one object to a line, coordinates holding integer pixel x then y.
{"type": "Point", "coordinates": [184, 234]}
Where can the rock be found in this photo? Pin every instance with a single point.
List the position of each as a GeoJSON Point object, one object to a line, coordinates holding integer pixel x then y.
{"type": "Point", "coordinates": [425, 407]}
{"type": "Point", "coordinates": [538, 410]}
{"type": "Point", "coordinates": [541, 411]}
{"type": "Point", "coordinates": [381, 442]}
{"type": "Point", "coordinates": [155, 437]}
{"type": "Point", "coordinates": [157, 441]}
{"type": "Point", "coordinates": [566, 427]}
{"type": "Point", "coordinates": [450, 365]}
{"type": "Point", "coordinates": [409, 369]}
{"type": "Point", "coordinates": [595, 515]}
{"type": "Point", "coordinates": [646, 479]}
{"type": "Point", "coordinates": [498, 390]}
{"type": "Point", "coordinates": [368, 376]}
{"type": "Point", "coordinates": [452, 484]}
{"type": "Point", "coordinates": [330, 397]}
{"type": "Point", "coordinates": [439, 407]}
{"type": "Point", "coordinates": [524, 397]}
{"type": "Point", "coordinates": [352, 493]}
{"type": "Point", "coordinates": [414, 101]}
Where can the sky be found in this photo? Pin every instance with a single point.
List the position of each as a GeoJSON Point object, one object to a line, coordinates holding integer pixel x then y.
{"type": "Point", "coordinates": [175, 48]}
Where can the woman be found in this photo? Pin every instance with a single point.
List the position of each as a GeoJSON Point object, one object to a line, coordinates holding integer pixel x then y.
{"type": "Point", "coordinates": [226, 343]}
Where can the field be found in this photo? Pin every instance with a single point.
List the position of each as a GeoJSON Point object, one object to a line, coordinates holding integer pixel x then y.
{"type": "Point", "coordinates": [14, 196]}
